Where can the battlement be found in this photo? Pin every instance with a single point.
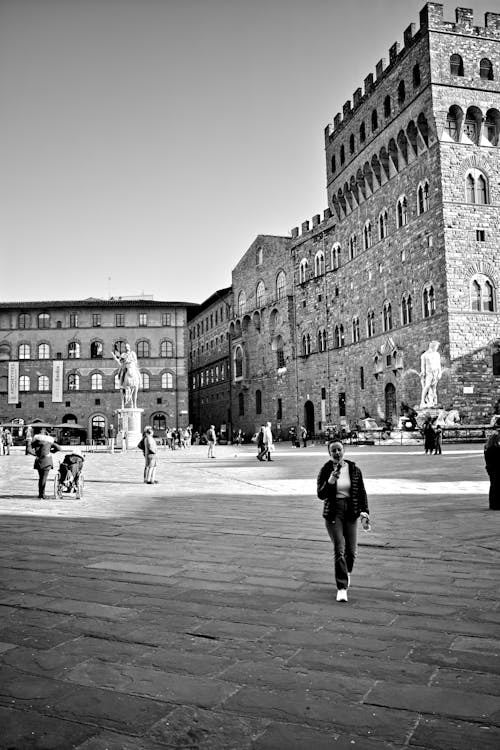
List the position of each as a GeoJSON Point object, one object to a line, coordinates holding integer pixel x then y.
{"type": "Point", "coordinates": [315, 224]}
{"type": "Point", "coordinates": [431, 19]}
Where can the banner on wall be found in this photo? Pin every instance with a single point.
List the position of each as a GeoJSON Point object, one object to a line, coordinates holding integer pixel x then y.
{"type": "Point", "coordinates": [57, 381]}
{"type": "Point", "coordinates": [13, 385]}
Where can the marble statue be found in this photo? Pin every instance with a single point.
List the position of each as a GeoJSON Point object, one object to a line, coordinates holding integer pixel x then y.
{"type": "Point", "coordinates": [430, 374]}
{"type": "Point", "coordinates": [128, 376]}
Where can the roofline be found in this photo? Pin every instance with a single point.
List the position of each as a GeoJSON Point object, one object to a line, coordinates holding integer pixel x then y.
{"type": "Point", "coordinates": [91, 303]}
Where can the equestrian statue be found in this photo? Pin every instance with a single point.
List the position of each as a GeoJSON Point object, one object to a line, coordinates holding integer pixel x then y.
{"type": "Point", "coordinates": [128, 375]}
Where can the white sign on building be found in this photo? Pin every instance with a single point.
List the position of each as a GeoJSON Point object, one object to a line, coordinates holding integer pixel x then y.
{"type": "Point", "coordinates": [13, 385]}
{"type": "Point", "coordinates": [57, 381]}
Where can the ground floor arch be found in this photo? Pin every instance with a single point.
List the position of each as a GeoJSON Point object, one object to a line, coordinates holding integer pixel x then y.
{"type": "Point", "coordinates": [390, 401]}
{"type": "Point", "coordinates": [98, 425]}
{"type": "Point", "coordinates": [309, 417]}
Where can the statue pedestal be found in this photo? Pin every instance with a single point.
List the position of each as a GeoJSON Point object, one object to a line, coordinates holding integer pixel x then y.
{"type": "Point", "coordinates": [131, 430]}
{"type": "Point", "coordinates": [426, 411]}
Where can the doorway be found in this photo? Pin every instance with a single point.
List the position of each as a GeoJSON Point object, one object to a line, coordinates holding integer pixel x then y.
{"type": "Point", "coordinates": [98, 429]}
{"type": "Point", "coordinates": [309, 417]}
{"type": "Point", "coordinates": [390, 401]}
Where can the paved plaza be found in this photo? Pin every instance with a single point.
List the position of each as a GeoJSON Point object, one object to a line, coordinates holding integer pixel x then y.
{"type": "Point", "coordinates": [201, 613]}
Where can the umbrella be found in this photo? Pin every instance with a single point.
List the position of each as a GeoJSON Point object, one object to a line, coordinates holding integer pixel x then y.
{"type": "Point", "coordinates": [39, 424]}
{"type": "Point", "coordinates": [70, 426]}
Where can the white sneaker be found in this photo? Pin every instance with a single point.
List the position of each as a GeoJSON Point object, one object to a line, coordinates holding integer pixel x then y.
{"type": "Point", "coordinates": [342, 595]}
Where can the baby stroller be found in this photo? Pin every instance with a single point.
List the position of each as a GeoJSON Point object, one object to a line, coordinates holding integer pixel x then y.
{"type": "Point", "coordinates": [69, 476]}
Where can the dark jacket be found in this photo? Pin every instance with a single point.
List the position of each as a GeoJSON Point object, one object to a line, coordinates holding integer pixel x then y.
{"type": "Point", "coordinates": [43, 449]}
{"type": "Point", "coordinates": [357, 502]}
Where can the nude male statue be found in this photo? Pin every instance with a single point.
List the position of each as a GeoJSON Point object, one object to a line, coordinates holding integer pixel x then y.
{"type": "Point", "coordinates": [430, 374]}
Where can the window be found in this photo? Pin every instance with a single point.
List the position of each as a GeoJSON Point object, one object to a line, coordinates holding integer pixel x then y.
{"type": "Point", "coordinates": [456, 65]}
{"type": "Point", "coordinates": [382, 225]}
{"type": "Point", "coordinates": [119, 320]}
{"type": "Point", "coordinates": [353, 246]}
{"type": "Point", "coordinates": [280, 285]}
{"type": "Point", "coordinates": [333, 164]}
{"type": "Point", "coordinates": [374, 120]}
{"type": "Point", "coordinates": [279, 410]}
{"type": "Point", "coordinates": [339, 337]}
{"type": "Point", "coordinates": [362, 132]}
{"type": "Point", "coordinates": [258, 402]}
{"type": "Point", "coordinates": [303, 270]}
{"type": "Point", "coordinates": [96, 320]}
{"type": "Point", "coordinates": [143, 349]}
{"type": "Point", "coordinates": [352, 144]}
{"type": "Point", "coordinates": [280, 355]}
{"type": "Point", "coordinates": [143, 319]}
{"type": "Point", "coordinates": [482, 294]}
{"type": "Point", "coordinates": [492, 126]}
{"type": "Point", "coordinates": [416, 76]}
{"type": "Point", "coordinates": [387, 316]}
{"type": "Point", "coordinates": [96, 350]}
{"type": "Point", "coordinates": [96, 382]}
{"type": "Point", "coordinates": [259, 294]}
{"type": "Point", "coordinates": [476, 187]}
{"type": "Point", "coordinates": [166, 319]}
{"type": "Point", "coordinates": [24, 351]}
{"type": "Point", "coordinates": [452, 124]}
{"type": "Point", "coordinates": [319, 263]}
{"type": "Point", "coordinates": [73, 382]}
{"type": "Point", "coordinates": [74, 350]}
{"type": "Point", "coordinates": [387, 106]}
{"type": "Point", "coordinates": [306, 344]}
{"type": "Point", "coordinates": [342, 154]}
{"type": "Point", "coordinates": [370, 324]}
{"type": "Point", "coordinates": [242, 301]}
{"type": "Point", "coordinates": [406, 309]}
{"type": "Point", "coordinates": [43, 351]}
{"type": "Point", "coordinates": [402, 211]}
{"type": "Point", "coordinates": [238, 362]}
{"type": "Point", "coordinates": [44, 320]}
{"type": "Point", "coordinates": [241, 405]}
{"type": "Point", "coordinates": [259, 256]}
{"type": "Point", "coordinates": [73, 320]}
{"type": "Point", "coordinates": [355, 330]}
{"type": "Point", "coordinates": [144, 381]}
{"type": "Point", "coordinates": [159, 423]}
{"type": "Point", "coordinates": [166, 349]}
{"type": "Point", "coordinates": [496, 363]}
{"type": "Point", "coordinates": [428, 301]}
{"type": "Point", "coordinates": [24, 321]}
{"type": "Point", "coordinates": [423, 198]}
{"type": "Point", "coordinates": [24, 383]}
{"type": "Point", "coordinates": [401, 92]}
{"type": "Point", "coordinates": [341, 404]}
{"type": "Point", "coordinates": [480, 235]}
{"type": "Point", "coordinates": [486, 69]}
{"type": "Point", "coordinates": [362, 378]}
{"type": "Point", "coordinates": [367, 235]}
{"type": "Point", "coordinates": [322, 340]}
{"type": "Point", "coordinates": [43, 383]}
{"type": "Point", "coordinates": [335, 257]}
{"type": "Point", "coordinates": [167, 380]}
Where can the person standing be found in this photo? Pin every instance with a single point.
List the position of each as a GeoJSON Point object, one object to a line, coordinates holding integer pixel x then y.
{"type": "Point", "coordinates": [429, 436]}
{"type": "Point", "coordinates": [492, 460]}
{"type": "Point", "coordinates": [111, 437]}
{"type": "Point", "coordinates": [340, 485]}
{"type": "Point", "coordinates": [29, 440]}
{"type": "Point", "coordinates": [43, 445]}
{"type": "Point", "coordinates": [211, 438]}
{"type": "Point", "coordinates": [268, 440]}
{"type": "Point", "coordinates": [261, 448]}
{"type": "Point", "coordinates": [303, 434]}
{"type": "Point", "coordinates": [6, 441]}
{"type": "Point", "coordinates": [150, 450]}
{"type": "Point", "coordinates": [438, 440]}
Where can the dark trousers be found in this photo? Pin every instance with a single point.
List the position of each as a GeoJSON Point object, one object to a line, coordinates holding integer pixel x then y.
{"type": "Point", "coordinates": [261, 455]}
{"type": "Point", "coordinates": [494, 496]}
{"type": "Point", "coordinates": [343, 534]}
{"type": "Point", "coordinates": [42, 480]}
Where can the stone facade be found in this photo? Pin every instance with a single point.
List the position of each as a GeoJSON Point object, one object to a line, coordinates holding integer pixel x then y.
{"type": "Point", "coordinates": [82, 334]}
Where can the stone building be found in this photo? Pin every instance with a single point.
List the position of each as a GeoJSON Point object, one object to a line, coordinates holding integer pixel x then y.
{"type": "Point", "coordinates": [56, 363]}
{"type": "Point", "coordinates": [330, 324]}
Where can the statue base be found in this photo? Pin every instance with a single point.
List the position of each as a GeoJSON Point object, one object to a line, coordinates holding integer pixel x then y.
{"type": "Point", "coordinates": [130, 423]}
{"type": "Point", "coordinates": [423, 412]}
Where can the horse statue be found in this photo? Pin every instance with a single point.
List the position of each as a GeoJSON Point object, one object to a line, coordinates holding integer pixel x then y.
{"type": "Point", "coordinates": [129, 376]}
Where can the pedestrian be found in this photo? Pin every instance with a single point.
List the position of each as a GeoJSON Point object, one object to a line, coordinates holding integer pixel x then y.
{"type": "Point", "coordinates": [268, 440]}
{"type": "Point", "coordinates": [492, 460]}
{"type": "Point", "coordinates": [261, 447]}
{"type": "Point", "coordinates": [43, 445]}
{"type": "Point", "coordinates": [149, 448]}
{"type": "Point", "coordinates": [303, 435]}
{"type": "Point", "coordinates": [211, 438]}
{"type": "Point", "coordinates": [6, 441]}
{"type": "Point", "coordinates": [111, 438]}
{"type": "Point", "coordinates": [438, 440]}
{"type": "Point", "coordinates": [29, 440]}
{"type": "Point", "coordinates": [340, 485]}
{"type": "Point", "coordinates": [239, 438]}
{"type": "Point", "coordinates": [429, 436]}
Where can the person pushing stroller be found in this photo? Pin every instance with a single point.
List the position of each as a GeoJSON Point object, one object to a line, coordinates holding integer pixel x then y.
{"type": "Point", "coordinates": [71, 468]}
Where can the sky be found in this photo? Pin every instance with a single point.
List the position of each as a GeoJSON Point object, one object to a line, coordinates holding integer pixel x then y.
{"type": "Point", "coordinates": [146, 143]}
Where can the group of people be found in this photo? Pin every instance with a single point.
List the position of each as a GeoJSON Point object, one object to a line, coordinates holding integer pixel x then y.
{"type": "Point", "coordinates": [265, 442]}
{"type": "Point", "coordinates": [433, 437]}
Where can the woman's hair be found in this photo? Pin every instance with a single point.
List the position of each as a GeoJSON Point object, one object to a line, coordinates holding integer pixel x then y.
{"type": "Point", "coordinates": [493, 440]}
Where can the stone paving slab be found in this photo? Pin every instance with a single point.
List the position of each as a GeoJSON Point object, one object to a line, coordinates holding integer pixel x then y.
{"type": "Point", "coordinates": [201, 612]}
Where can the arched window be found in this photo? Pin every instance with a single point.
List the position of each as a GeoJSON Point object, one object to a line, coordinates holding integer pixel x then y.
{"type": "Point", "coordinates": [342, 154]}
{"type": "Point", "coordinates": [258, 402]}
{"type": "Point", "coordinates": [387, 106]}
{"type": "Point", "coordinates": [322, 340]}
{"type": "Point", "coordinates": [238, 362]}
{"type": "Point", "coordinates": [355, 330]}
{"type": "Point", "coordinates": [96, 350]}
{"type": "Point", "coordinates": [96, 381]}
{"type": "Point", "coordinates": [476, 187]}
{"type": "Point", "coordinates": [452, 123]}
{"type": "Point", "coordinates": [117, 382]}
{"type": "Point", "coordinates": [492, 126]}
{"type": "Point", "coordinates": [370, 324]}
{"type": "Point", "coordinates": [423, 197]}
{"type": "Point", "coordinates": [401, 92]}
{"type": "Point", "coordinates": [73, 382]}
{"type": "Point", "coordinates": [335, 257]}
{"type": "Point", "coordinates": [74, 350]}
{"type": "Point", "coordinates": [166, 349]}
{"type": "Point", "coordinates": [353, 246]}
{"type": "Point", "coordinates": [382, 224]}
{"type": "Point", "coordinates": [428, 301]}
{"type": "Point", "coordinates": [406, 309]}
{"type": "Point", "coordinates": [456, 65]}
{"type": "Point", "coordinates": [387, 316]}
{"type": "Point", "coordinates": [367, 235]}
{"type": "Point", "coordinates": [159, 422]}
{"type": "Point", "coordinates": [486, 69]}
{"type": "Point", "coordinates": [481, 294]}
{"type": "Point", "coordinates": [260, 294]}
{"type": "Point", "coordinates": [402, 211]}
{"type": "Point", "coordinates": [167, 380]}
{"type": "Point", "coordinates": [43, 383]}
{"type": "Point", "coordinates": [362, 132]}
{"type": "Point", "coordinates": [374, 120]}
{"type": "Point", "coordinates": [143, 349]}
{"type": "Point", "coordinates": [280, 353]}
{"type": "Point", "coordinates": [120, 346]}
{"type": "Point", "coordinates": [334, 164]}
{"type": "Point", "coordinates": [303, 270]}
{"type": "Point", "coordinates": [259, 256]}
{"type": "Point", "coordinates": [144, 385]}
{"type": "Point", "coordinates": [352, 144]}
{"type": "Point", "coordinates": [24, 321]}
{"type": "Point", "coordinates": [24, 351]}
{"type": "Point", "coordinates": [280, 285]}
{"type": "Point", "coordinates": [319, 263]}
{"type": "Point", "coordinates": [242, 301]}
{"type": "Point", "coordinates": [306, 344]}
{"type": "Point", "coordinates": [44, 320]}
{"type": "Point", "coordinates": [241, 405]}
{"type": "Point", "coordinates": [416, 76]}
{"type": "Point", "coordinates": [339, 338]}
{"type": "Point", "coordinates": [24, 383]}
{"type": "Point", "coordinates": [43, 351]}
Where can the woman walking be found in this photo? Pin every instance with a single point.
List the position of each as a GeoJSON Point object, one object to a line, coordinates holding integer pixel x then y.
{"type": "Point", "coordinates": [340, 485]}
